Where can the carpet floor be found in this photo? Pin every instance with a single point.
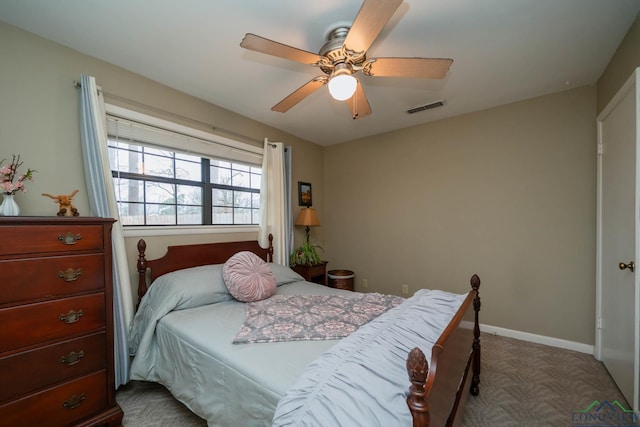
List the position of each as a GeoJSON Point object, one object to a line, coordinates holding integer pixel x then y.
{"type": "Point", "coordinates": [522, 384]}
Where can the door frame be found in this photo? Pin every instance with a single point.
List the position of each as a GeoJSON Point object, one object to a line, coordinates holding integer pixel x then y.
{"type": "Point", "coordinates": [632, 84]}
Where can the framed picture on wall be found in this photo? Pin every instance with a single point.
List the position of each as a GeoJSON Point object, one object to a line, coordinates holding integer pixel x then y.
{"type": "Point", "coordinates": [304, 194]}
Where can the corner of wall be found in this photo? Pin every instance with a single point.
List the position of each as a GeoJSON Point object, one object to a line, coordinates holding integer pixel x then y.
{"type": "Point", "coordinates": [625, 60]}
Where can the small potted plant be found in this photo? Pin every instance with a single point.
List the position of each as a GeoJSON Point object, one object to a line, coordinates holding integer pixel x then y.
{"type": "Point", "coordinates": [305, 255]}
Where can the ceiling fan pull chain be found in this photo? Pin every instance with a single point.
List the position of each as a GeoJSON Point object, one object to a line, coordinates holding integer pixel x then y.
{"type": "Point", "coordinates": [355, 105]}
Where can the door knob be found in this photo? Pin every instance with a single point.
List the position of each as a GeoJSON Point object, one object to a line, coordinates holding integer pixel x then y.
{"type": "Point", "coordinates": [631, 266]}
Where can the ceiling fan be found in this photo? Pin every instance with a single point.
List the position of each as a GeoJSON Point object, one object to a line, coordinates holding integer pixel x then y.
{"type": "Point", "coordinates": [344, 54]}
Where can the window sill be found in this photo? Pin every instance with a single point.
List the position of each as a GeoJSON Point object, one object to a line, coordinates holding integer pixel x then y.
{"type": "Point", "coordinates": [186, 229]}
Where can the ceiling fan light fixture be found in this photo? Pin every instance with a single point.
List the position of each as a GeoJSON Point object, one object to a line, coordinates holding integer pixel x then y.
{"type": "Point", "coordinates": [344, 54]}
{"type": "Point", "coordinates": [342, 86]}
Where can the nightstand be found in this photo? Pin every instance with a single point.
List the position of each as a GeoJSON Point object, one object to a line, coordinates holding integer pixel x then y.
{"type": "Point", "coordinates": [316, 273]}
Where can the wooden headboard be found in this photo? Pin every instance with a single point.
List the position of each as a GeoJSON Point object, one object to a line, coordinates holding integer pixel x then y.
{"type": "Point", "coordinates": [187, 256]}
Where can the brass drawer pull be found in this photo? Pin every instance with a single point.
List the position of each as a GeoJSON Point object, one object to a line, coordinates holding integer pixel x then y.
{"type": "Point", "coordinates": [74, 402]}
{"type": "Point", "coordinates": [71, 317]}
{"type": "Point", "coordinates": [70, 274]}
{"type": "Point", "coordinates": [70, 239]}
{"type": "Point", "coordinates": [72, 358]}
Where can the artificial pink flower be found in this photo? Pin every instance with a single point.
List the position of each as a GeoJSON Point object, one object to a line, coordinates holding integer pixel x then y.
{"type": "Point", "coordinates": [8, 173]}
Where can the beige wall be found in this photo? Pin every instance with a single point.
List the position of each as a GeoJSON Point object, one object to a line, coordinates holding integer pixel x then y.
{"type": "Point", "coordinates": [39, 119]}
{"type": "Point", "coordinates": [624, 61]}
{"type": "Point", "coordinates": [507, 193]}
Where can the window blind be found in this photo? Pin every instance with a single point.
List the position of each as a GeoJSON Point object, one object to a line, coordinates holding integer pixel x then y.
{"type": "Point", "coordinates": [208, 145]}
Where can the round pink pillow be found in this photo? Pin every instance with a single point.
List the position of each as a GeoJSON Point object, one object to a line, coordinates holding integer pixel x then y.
{"type": "Point", "coordinates": [248, 277]}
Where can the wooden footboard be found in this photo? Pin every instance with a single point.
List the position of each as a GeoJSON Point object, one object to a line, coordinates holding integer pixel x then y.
{"type": "Point", "coordinates": [438, 390]}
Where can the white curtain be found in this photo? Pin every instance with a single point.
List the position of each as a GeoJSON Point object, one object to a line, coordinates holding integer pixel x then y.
{"type": "Point", "coordinates": [288, 212]}
{"type": "Point", "coordinates": [102, 203]}
{"type": "Point", "coordinates": [273, 201]}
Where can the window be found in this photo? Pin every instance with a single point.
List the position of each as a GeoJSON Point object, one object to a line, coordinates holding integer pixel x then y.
{"type": "Point", "coordinates": [158, 185]}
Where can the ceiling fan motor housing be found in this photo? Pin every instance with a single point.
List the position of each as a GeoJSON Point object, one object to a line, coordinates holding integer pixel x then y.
{"type": "Point", "coordinates": [336, 53]}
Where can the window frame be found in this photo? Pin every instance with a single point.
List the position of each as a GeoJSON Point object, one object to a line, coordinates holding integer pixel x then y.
{"type": "Point", "coordinates": [218, 141]}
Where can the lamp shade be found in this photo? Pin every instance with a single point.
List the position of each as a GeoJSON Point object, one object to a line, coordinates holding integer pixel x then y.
{"type": "Point", "coordinates": [307, 217]}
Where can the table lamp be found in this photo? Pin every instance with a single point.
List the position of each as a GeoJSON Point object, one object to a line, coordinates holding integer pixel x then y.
{"type": "Point", "coordinates": [308, 218]}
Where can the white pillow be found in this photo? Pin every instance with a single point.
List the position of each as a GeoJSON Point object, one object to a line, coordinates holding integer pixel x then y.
{"type": "Point", "coordinates": [284, 274]}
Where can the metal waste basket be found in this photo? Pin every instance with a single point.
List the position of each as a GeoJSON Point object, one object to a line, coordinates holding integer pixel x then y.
{"type": "Point", "coordinates": [341, 279]}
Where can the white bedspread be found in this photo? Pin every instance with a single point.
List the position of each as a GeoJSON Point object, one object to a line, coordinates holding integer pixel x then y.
{"type": "Point", "coordinates": [363, 380]}
{"type": "Point", "coordinates": [182, 338]}
{"type": "Point", "coordinates": [188, 349]}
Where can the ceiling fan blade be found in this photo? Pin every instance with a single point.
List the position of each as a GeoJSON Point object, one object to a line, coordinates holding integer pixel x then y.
{"type": "Point", "coordinates": [299, 94]}
{"type": "Point", "coordinates": [358, 103]}
{"type": "Point", "coordinates": [371, 18]}
{"type": "Point", "coordinates": [260, 44]}
{"type": "Point", "coordinates": [425, 68]}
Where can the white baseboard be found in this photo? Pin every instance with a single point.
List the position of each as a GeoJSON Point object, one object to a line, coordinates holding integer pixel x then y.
{"type": "Point", "coordinates": [538, 339]}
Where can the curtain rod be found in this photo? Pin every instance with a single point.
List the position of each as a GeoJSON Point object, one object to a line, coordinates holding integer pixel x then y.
{"type": "Point", "coordinates": [178, 116]}
{"type": "Point", "coordinates": [274, 146]}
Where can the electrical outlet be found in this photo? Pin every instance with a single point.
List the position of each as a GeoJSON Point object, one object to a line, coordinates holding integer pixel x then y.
{"type": "Point", "coordinates": [365, 283]}
{"type": "Point", "coordinates": [405, 289]}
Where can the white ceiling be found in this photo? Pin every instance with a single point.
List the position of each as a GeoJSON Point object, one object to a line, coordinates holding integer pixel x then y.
{"type": "Point", "coordinates": [503, 51]}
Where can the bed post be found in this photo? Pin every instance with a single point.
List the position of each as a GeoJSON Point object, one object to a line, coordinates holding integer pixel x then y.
{"type": "Point", "coordinates": [270, 249]}
{"type": "Point", "coordinates": [418, 370]}
{"type": "Point", "coordinates": [142, 271]}
{"type": "Point", "coordinates": [475, 379]}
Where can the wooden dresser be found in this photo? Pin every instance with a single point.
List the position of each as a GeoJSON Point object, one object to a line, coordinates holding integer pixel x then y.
{"type": "Point", "coordinates": [56, 322]}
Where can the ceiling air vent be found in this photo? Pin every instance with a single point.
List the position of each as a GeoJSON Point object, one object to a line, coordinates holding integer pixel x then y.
{"type": "Point", "coordinates": [429, 106]}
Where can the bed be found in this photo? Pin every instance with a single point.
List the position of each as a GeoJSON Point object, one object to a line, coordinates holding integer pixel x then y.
{"type": "Point", "coordinates": [182, 337]}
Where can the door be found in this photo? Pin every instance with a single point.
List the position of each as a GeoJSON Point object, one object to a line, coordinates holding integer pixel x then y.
{"type": "Point", "coordinates": [617, 281]}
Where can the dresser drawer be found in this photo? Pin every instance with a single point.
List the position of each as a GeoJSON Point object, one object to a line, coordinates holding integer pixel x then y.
{"type": "Point", "coordinates": [31, 324]}
{"type": "Point", "coordinates": [58, 406]}
{"type": "Point", "coordinates": [42, 367]}
{"type": "Point", "coordinates": [33, 239]}
{"type": "Point", "coordinates": [44, 278]}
